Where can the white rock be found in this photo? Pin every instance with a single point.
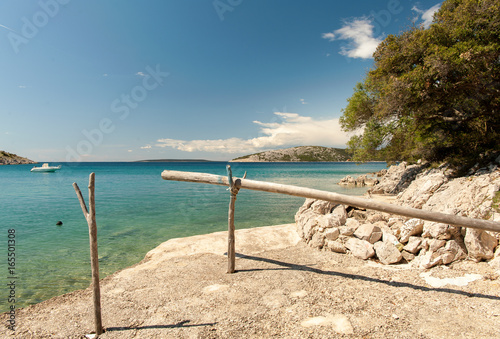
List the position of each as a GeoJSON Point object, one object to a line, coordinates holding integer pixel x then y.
{"type": "Point", "coordinates": [360, 248]}
{"type": "Point", "coordinates": [411, 227]}
{"type": "Point", "coordinates": [387, 253]}
{"type": "Point", "coordinates": [422, 188]}
{"type": "Point", "coordinates": [387, 236]}
{"type": "Point", "coordinates": [351, 225]}
{"type": "Point", "coordinates": [335, 246]}
{"type": "Point", "coordinates": [332, 233]}
{"type": "Point", "coordinates": [435, 244]}
{"type": "Point", "coordinates": [439, 230]}
{"type": "Point", "coordinates": [455, 250]}
{"type": "Point", "coordinates": [480, 244]}
{"type": "Point", "coordinates": [413, 245]}
{"type": "Point", "coordinates": [452, 251]}
{"type": "Point", "coordinates": [368, 232]}
{"type": "Point", "coordinates": [317, 240]}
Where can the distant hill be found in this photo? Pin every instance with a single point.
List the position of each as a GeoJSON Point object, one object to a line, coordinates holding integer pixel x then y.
{"type": "Point", "coordinates": [174, 160]}
{"type": "Point", "coordinates": [7, 158]}
{"type": "Point", "coordinates": [296, 154]}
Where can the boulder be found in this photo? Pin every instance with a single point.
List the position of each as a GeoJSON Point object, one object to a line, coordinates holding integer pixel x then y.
{"type": "Point", "coordinates": [452, 251]}
{"type": "Point", "coordinates": [347, 181]}
{"type": "Point", "coordinates": [435, 244]}
{"type": "Point", "coordinates": [396, 179]}
{"type": "Point", "coordinates": [410, 228]}
{"type": "Point", "coordinates": [439, 230]}
{"type": "Point", "coordinates": [407, 256]}
{"type": "Point", "coordinates": [361, 181]}
{"type": "Point", "coordinates": [387, 252]}
{"type": "Point", "coordinates": [351, 225]}
{"type": "Point", "coordinates": [422, 188]}
{"type": "Point", "coordinates": [375, 217]}
{"type": "Point", "coordinates": [480, 244]}
{"type": "Point", "coordinates": [332, 233]}
{"type": "Point", "coordinates": [322, 207]}
{"type": "Point", "coordinates": [413, 245]}
{"type": "Point", "coordinates": [317, 240]}
{"type": "Point", "coordinates": [368, 232]}
{"type": "Point", "coordinates": [335, 246]}
{"type": "Point", "coordinates": [360, 248]}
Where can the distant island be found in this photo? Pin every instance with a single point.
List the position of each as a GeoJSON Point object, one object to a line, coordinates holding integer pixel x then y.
{"type": "Point", "coordinates": [297, 154]}
{"type": "Point", "coordinates": [7, 158]}
{"type": "Point", "coordinates": [174, 160]}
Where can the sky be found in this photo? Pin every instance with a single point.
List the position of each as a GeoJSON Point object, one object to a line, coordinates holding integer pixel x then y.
{"type": "Point", "coordinates": [124, 80]}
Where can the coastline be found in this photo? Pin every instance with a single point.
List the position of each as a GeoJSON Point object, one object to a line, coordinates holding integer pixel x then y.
{"type": "Point", "coordinates": [281, 288]}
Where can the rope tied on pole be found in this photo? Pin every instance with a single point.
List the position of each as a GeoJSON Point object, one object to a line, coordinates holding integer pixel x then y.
{"type": "Point", "coordinates": [232, 187]}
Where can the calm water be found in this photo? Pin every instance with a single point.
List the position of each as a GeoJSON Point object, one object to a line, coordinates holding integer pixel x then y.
{"type": "Point", "coordinates": [136, 211]}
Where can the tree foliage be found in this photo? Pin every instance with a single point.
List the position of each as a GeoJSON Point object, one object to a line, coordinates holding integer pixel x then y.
{"type": "Point", "coordinates": [433, 93]}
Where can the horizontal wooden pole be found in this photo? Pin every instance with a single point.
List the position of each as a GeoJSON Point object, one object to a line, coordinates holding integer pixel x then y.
{"type": "Point", "coordinates": [334, 197]}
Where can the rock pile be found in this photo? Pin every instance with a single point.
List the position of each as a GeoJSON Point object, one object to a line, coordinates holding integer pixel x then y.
{"type": "Point", "coordinates": [394, 239]}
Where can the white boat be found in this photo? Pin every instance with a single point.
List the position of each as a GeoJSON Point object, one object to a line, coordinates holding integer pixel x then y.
{"type": "Point", "coordinates": [46, 168]}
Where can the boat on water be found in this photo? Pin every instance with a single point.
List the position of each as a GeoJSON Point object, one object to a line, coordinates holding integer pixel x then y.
{"type": "Point", "coordinates": [45, 168]}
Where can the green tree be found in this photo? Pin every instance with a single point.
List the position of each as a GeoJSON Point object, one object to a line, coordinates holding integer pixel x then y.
{"type": "Point", "coordinates": [434, 93]}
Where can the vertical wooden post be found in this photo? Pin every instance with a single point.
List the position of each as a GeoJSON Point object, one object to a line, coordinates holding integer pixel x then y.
{"type": "Point", "coordinates": [94, 258]}
{"type": "Point", "coordinates": [231, 251]}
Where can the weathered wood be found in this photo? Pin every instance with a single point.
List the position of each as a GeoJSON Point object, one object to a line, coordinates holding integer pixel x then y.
{"type": "Point", "coordinates": [231, 248]}
{"type": "Point", "coordinates": [94, 257]}
{"type": "Point", "coordinates": [334, 197]}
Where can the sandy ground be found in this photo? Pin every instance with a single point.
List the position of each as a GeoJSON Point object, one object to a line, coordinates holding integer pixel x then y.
{"type": "Point", "coordinates": [282, 289]}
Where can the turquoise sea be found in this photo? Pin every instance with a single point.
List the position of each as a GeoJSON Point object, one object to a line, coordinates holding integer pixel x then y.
{"type": "Point", "coordinates": [136, 211]}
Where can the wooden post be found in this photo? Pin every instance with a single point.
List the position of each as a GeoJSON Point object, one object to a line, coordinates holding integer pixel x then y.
{"type": "Point", "coordinates": [94, 258]}
{"type": "Point", "coordinates": [231, 250]}
{"type": "Point", "coordinates": [451, 219]}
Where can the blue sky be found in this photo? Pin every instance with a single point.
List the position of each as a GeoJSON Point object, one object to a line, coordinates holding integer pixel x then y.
{"type": "Point", "coordinates": [128, 80]}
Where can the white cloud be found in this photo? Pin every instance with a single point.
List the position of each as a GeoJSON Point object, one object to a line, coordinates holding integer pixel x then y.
{"type": "Point", "coordinates": [359, 31]}
{"type": "Point", "coordinates": [293, 130]}
{"type": "Point", "coordinates": [426, 15]}
{"type": "Point", "coordinates": [22, 86]}
{"type": "Point", "coordinates": [329, 36]}
{"type": "Point", "coordinates": [146, 147]}
{"type": "Point", "coordinates": [141, 74]}
{"type": "Point", "coordinates": [303, 101]}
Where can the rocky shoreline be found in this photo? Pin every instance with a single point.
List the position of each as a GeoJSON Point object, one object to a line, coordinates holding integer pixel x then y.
{"type": "Point", "coordinates": [7, 158]}
{"type": "Point", "coordinates": [284, 288]}
{"type": "Point", "coordinates": [392, 239]}
{"type": "Point", "coordinates": [297, 154]}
